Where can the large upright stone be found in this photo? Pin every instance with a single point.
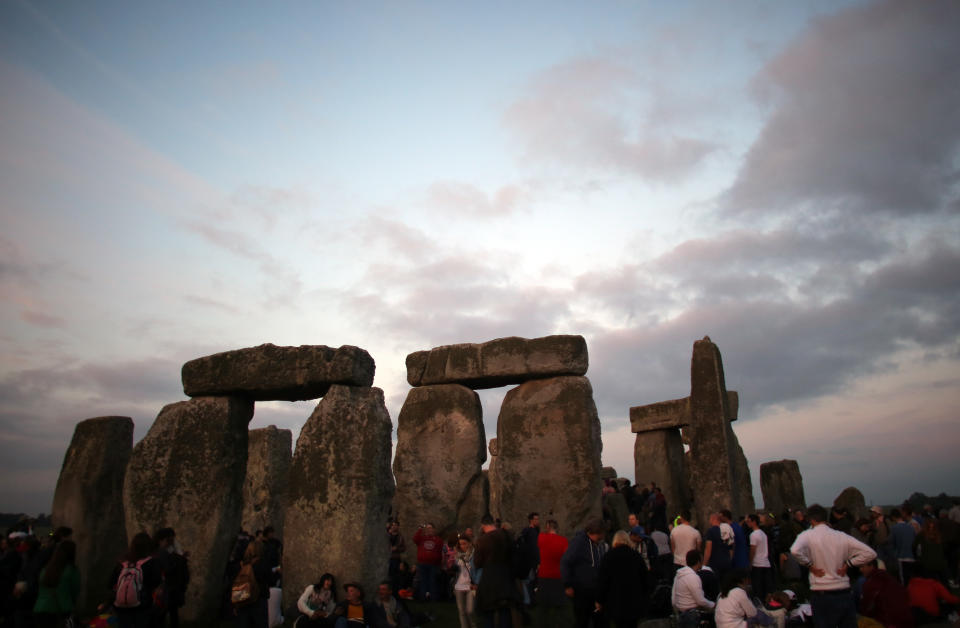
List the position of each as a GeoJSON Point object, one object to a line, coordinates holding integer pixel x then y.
{"type": "Point", "coordinates": [440, 450]}
{"type": "Point", "coordinates": [658, 457]}
{"type": "Point", "coordinates": [269, 372]}
{"type": "Point", "coordinates": [548, 437]}
{"type": "Point", "coordinates": [853, 501]}
{"type": "Point", "coordinates": [500, 362]}
{"type": "Point", "coordinates": [265, 489]}
{"type": "Point", "coordinates": [711, 460]}
{"type": "Point", "coordinates": [740, 470]}
{"type": "Point", "coordinates": [339, 494]}
{"type": "Point", "coordinates": [782, 486]}
{"type": "Point", "coordinates": [89, 499]}
{"type": "Point", "coordinates": [187, 473]}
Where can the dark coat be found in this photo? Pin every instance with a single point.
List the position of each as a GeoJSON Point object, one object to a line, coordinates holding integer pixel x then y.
{"type": "Point", "coordinates": [623, 585]}
{"type": "Point", "coordinates": [497, 586]}
{"type": "Point", "coordinates": [580, 565]}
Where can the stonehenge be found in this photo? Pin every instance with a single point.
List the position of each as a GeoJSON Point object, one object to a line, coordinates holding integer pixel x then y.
{"type": "Point", "coordinates": [203, 472]}
{"type": "Point", "coordinates": [713, 474]}
{"type": "Point", "coordinates": [89, 499]}
{"type": "Point", "coordinates": [782, 486]}
{"type": "Point", "coordinates": [546, 453]}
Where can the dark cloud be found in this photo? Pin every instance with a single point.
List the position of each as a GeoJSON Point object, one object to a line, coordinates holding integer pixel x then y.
{"type": "Point", "coordinates": [863, 115]}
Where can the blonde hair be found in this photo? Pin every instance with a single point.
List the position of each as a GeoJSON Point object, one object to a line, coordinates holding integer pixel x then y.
{"type": "Point", "coordinates": [621, 537]}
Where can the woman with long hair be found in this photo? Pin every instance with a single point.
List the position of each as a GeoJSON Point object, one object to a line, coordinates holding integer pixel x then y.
{"type": "Point", "coordinates": [316, 604]}
{"type": "Point", "coordinates": [465, 583]}
{"type": "Point", "coordinates": [138, 556]}
{"type": "Point", "coordinates": [59, 587]}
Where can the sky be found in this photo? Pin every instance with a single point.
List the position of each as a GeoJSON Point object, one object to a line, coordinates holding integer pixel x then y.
{"type": "Point", "coordinates": [179, 179]}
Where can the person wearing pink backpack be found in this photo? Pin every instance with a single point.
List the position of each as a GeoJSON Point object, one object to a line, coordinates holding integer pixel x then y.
{"type": "Point", "coordinates": [132, 584]}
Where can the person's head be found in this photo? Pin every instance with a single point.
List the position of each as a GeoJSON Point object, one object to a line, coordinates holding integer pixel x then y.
{"type": "Point", "coordinates": [739, 577]}
{"type": "Point", "coordinates": [595, 529]}
{"type": "Point", "coordinates": [726, 515]}
{"type": "Point", "coordinates": [817, 514]}
{"type": "Point", "coordinates": [354, 592]}
{"type": "Point", "coordinates": [326, 582]}
{"type": "Point", "coordinates": [753, 521]}
{"type": "Point", "coordinates": [393, 527]}
{"type": "Point", "coordinates": [876, 512]}
{"type": "Point", "coordinates": [428, 529]}
{"type": "Point", "coordinates": [798, 515]}
{"type": "Point", "coordinates": [694, 559]}
{"type": "Point", "coordinates": [487, 524]}
{"type": "Point", "coordinates": [534, 520]}
{"type": "Point", "coordinates": [868, 569]}
{"type": "Point", "coordinates": [864, 525]}
{"type": "Point", "coordinates": [685, 515]}
{"type": "Point", "coordinates": [253, 553]}
{"type": "Point", "coordinates": [164, 538]}
{"type": "Point", "coordinates": [636, 534]}
{"type": "Point", "coordinates": [384, 591]}
{"type": "Point", "coordinates": [464, 544]}
{"type": "Point", "coordinates": [620, 537]}
{"type": "Point", "coordinates": [895, 514]}
{"type": "Point", "coordinates": [551, 526]}
{"type": "Point", "coordinates": [632, 520]}
{"type": "Point", "coordinates": [61, 533]}
{"type": "Point", "coordinates": [468, 533]}
{"type": "Point", "coordinates": [714, 519]}
{"type": "Point", "coordinates": [141, 546]}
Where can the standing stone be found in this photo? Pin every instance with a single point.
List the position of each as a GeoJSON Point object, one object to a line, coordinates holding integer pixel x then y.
{"type": "Point", "coordinates": [658, 457]}
{"type": "Point", "coordinates": [615, 511]}
{"type": "Point", "coordinates": [89, 499]}
{"type": "Point", "coordinates": [187, 473]}
{"type": "Point", "coordinates": [269, 372]}
{"type": "Point", "coordinates": [608, 473]}
{"type": "Point", "coordinates": [852, 499]}
{"type": "Point", "coordinates": [339, 493]}
{"type": "Point", "coordinates": [548, 436]}
{"type": "Point", "coordinates": [492, 478]}
{"type": "Point", "coordinates": [710, 461]}
{"type": "Point", "coordinates": [742, 482]}
{"type": "Point", "coordinates": [265, 489]}
{"type": "Point", "coordinates": [440, 451]}
{"type": "Point", "coordinates": [476, 504]}
{"type": "Point", "coordinates": [782, 486]}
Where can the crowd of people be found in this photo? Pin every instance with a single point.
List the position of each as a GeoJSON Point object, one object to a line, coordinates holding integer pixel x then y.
{"type": "Point", "coordinates": [805, 567]}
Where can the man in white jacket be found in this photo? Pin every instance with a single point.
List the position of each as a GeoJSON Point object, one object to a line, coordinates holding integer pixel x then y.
{"type": "Point", "coordinates": [828, 553]}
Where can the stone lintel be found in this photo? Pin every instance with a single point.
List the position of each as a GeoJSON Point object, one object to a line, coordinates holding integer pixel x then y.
{"type": "Point", "coordinates": [674, 413]}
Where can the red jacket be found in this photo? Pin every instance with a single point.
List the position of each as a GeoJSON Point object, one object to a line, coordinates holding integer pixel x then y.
{"type": "Point", "coordinates": [429, 548]}
{"type": "Point", "coordinates": [552, 547]}
{"type": "Point", "coordinates": [926, 593]}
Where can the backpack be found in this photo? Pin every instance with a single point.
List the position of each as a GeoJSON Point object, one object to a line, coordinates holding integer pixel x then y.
{"type": "Point", "coordinates": [244, 589]}
{"type": "Point", "coordinates": [130, 584]}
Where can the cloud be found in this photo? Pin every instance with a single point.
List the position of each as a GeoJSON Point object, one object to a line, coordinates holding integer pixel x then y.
{"type": "Point", "coordinates": [589, 113]}
{"type": "Point", "coordinates": [465, 199]}
{"type": "Point", "coordinates": [863, 116]}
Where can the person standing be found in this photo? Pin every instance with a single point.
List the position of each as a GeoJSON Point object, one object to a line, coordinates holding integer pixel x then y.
{"type": "Point", "coordinates": [761, 574]}
{"type": "Point", "coordinates": [623, 583]}
{"type": "Point", "coordinates": [581, 573]}
{"type": "Point", "coordinates": [429, 559]}
{"type": "Point", "coordinates": [683, 538]}
{"type": "Point", "coordinates": [59, 587]}
{"type": "Point", "coordinates": [465, 583]}
{"type": "Point", "coordinates": [497, 592]}
{"type": "Point", "coordinates": [551, 598]}
{"type": "Point", "coordinates": [828, 553]}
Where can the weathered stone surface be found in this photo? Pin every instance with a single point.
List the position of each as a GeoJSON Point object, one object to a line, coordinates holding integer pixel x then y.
{"type": "Point", "coordinates": [658, 457]}
{"type": "Point", "coordinates": [492, 477]}
{"type": "Point", "coordinates": [742, 482]}
{"type": "Point", "coordinates": [711, 460]}
{"type": "Point", "coordinates": [782, 486]}
{"type": "Point", "coordinates": [440, 449]}
{"type": "Point", "coordinates": [548, 437]}
{"type": "Point", "coordinates": [89, 499]}
{"type": "Point", "coordinates": [269, 372]}
{"type": "Point", "coordinates": [615, 511]}
{"type": "Point", "coordinates": [500, 362]}
{"type": "Point", "coordinates": [265, 489]}
{"type": "Point", "coordinates": [673, 413]}
{"type": "Point", "coordinates": [339, 494]}
{"type": "Point", "coordinates": [608, 473]}
{"type": "Point", "coordinates": [476, 502]}
{"type": "Point", "coordinates": [852, 499]}
{"type": "Point", "coordinates": [187, 473]}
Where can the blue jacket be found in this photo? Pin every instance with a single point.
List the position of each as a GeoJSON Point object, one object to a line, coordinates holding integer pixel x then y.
{"type": "Point", "coordinates": [580, 565]}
